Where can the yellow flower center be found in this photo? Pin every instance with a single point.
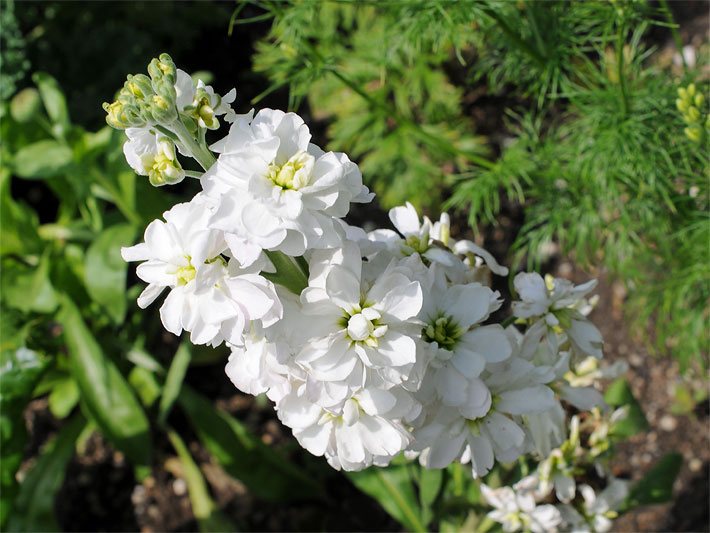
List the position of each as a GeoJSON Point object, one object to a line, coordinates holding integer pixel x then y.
{"type": "Point", "coordinates": [294, 173]}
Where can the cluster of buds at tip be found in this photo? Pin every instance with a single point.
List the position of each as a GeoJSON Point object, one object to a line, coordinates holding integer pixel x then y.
{"type": "Point", "coordinates": [690, 103]}
{"type": "Point", "coordinates": [145, 101]}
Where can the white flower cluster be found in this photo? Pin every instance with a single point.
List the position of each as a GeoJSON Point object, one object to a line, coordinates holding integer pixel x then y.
{"type": "Point", "coordinates": [518, 508]}
{"type": "Point", "coordinates": [369, 344]}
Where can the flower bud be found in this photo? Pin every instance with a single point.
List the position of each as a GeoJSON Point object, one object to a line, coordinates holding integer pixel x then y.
{"type": "Point", "coordinates": [694, 133]}
{"type": "Point", "coordinates": [139, 87]}
{"type": "Point", "coordinates": [162, 68]}
{"type": "Point", "coordinates": [693, 114]}
{"type": "Point", "coordinates": [115, 115]}
{"type": "Point", "coordinates": [165, 169]}
{"type": "Point", "coordinates": [162, 110]}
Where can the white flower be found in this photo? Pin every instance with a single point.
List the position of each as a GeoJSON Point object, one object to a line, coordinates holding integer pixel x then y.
{"type": "Point", "coordinates": [359, 332]}
{"type": "Point", "coordinates": [432, 241]}
{"type": "Point", "coordinates": [359, 434]}
{"type": "Point", "coordinates": [513, 389]}
{"type": "Point", "coordinates": [517, 511]}
{"type": "Point", "coordinates": [200, 101]}
{"type": "Point", "coordinates": [558, 469]}
{"type": "Point", "coordinates": [260, 366]}
{"type": "Point", "coordinates": [461, 348]}
{"type": "Point", "coordinates": [601, 509]}
{"type": "Point", "coordinates": [278, 191]}
{"type": "Point", "coordinates": [211, 300]}
{"type": "Point", "coordinates": [153, 155]}
{"type": "Point", "coordinates": [556, 301]}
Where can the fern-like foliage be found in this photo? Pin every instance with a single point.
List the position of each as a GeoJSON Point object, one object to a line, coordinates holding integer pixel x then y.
{"type": "Point", "coordinates": [593, 149]}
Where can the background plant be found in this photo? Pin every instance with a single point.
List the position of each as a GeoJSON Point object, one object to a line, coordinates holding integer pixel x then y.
{"type": "Point", "coordinates": [594, 150]}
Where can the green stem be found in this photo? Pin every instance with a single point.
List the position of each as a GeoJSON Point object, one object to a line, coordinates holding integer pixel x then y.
{"type": "Point", "coordinates": [620, 70]}
{"type": "Point", "coordinates": [513, 36]}
{"type": "Point", "coordinates": [508, 321]}
{"type": "Point", "coordinates": [289, 273]}
{"type": "Point", "coordinates": [192, 174]}
{"type": "Point", "coordinates": [200, 153]}
{"type": "Point", "coordinates": [458, 479]}
{"type": "Point", "coordinates": [118, 200]}
{"type": "Point", "coordinates": [666, 10]}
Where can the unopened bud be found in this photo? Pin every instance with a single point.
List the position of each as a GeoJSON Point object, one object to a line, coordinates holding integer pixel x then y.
{"type": "Point", "coordinates": [162, 67]}
{"type": "Point", "coordinates": [165, 169]}
{"type": "Point", "coordinates": [694, 133]}
{"type": "Point", "coordinates": [693, 114]}
{"type": "Point", "coordinates": [115, 115]}
{"type": "Point", "coordinates": [445, 228]}
{"type": "Point", "coordinates": [139, 87]}
{"type": "Point", "coordinates": [162, 110]}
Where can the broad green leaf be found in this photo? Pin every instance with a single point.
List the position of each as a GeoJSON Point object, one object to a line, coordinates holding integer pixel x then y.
{"type": "Point", "coordinates": [28, 288]}
{"type": "Point", "coordinates": [429, 485]}
{"type": "Point", "coordinates": [657, 485]}
{"type": "Point", "coordinates": [25, 105]}
{"type": "Point", "coordinates": [392, 488]}
{"type": "Point", "coordinates": [105, 270]}
{"type": "Point", "coordinates": [242, 455]}
{"type": "Point", "coordinates": [173, 381]}
{"type": "Point", "coordinates": [54, 101]}
{"type": "Point", "coordinates": [64, 397]}
{"type": "Point", "coordinates": [105, 394]}
{"type": "Point", "coordinates": [204, 508]}
{"type": "Point", "coordinates": [20, 371]}
{"type": "Point", "coordinates": [19, 223]}
{"type": "Point", "coordinates": [429, 482]}
{"type": "Point", "coordinates": [144, 383]}
{"type": "Point", "coordinates": [619, 394]}
{"type": "Point", "coordinates": [34, 505]}
{"type": "Point", "coordinates": [42, 159]}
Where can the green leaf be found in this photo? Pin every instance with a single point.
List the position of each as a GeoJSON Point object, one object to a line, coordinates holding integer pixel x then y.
{"type": "Point", "coordinates": [429, 485]}
{"type": "Point", "coordinates": [105, 394]}
{"type": "Point", "coordinates": [203, 506]}
{"type": "Point", "coordinates": [26, 288]}
{"type": "Point", "coordinates": [289, 272]}
{"type": "Point", "coordinates": [19, 223]}
{"type": "Point", "coordinates": [54, 101]}
{"type": "Point", "coordinates": [34, 506]}
{"type": "Point", "coordinates": [42, 159]}
{"type": "Point", "coordinates": [25, 105]}
{"type": "Point", "coordinates": [619, 394]}
{"type": "Point", "coordinates": [657, 485]}
{"type": "Point", "coordinates": [144, 383]}
{"type": "Point", "coordinates": [429, 481]}
{"type": "Point", "coordinates": [19, 374]}
{"type": "Point", "coordinates": [173, 381]}
{"type": "Point", "coordinates": [106, 270]}
{"type": "Point", "coordinates": [63, 398]}
{"type": "Point", "coordinates": [392, 488]}
{"type": "Point", "coordinates": [242, 455]}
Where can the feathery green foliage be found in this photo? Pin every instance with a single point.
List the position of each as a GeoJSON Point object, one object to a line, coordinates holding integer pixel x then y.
{"type": "Point", "coordinates": [594, 149]}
